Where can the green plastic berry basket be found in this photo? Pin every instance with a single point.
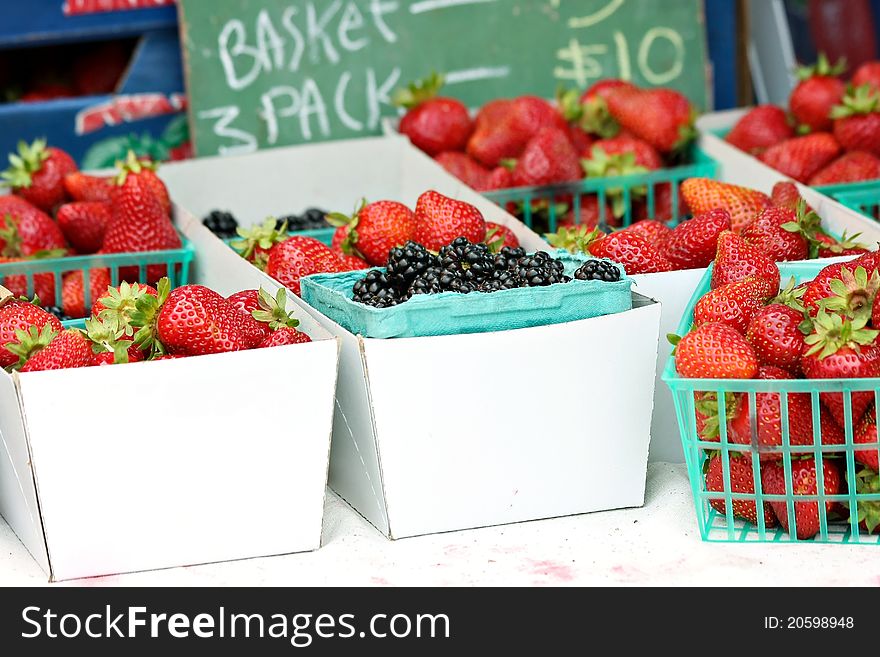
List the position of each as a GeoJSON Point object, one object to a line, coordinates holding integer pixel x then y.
{"type": "Point", "coordinates": [724, 527]}
{"type": "Point", "coordinates": [177, 265]}
{"type": "Point", "coordinates": [627, 188]}
{"type": "Point", "coordinates": [865, 200]}
{"type": "Point", "coordinates": [450, 313]}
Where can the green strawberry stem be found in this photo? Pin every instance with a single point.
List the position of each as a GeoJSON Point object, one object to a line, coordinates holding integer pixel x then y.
{"type": "Point", "coordinates": [867, 483]}
{"type": "Point", "coordinates": [264, 235]}
{"type": "Point", "coordinates": [145, 316]}
{"type": "Point", "coordinates": [861, 100]}
{"type": "Point", "coordinates": [273, 311]}
{"type": "Point", "coordinates": [822, 68]}
{"type": "Point", "coordinates": [569, 103]}
{"type": "Point", "coordinates": [418, 92]}
{"type": "Point", "coordinates": [337, 219]}
{"type": "Point", "coordinates": [575, 239]}
{"type": "Point", "coordinates": [27, 161]}
{"type": "Point", "coordinates": [132, 164]}
{"type": "Point", "coordinates": [832, 332]}
{"type": "Point", "coordinates": [30, 342]}
{"type": "Point", "coordinates": [854, 292]}
{"type": "Point", "coordinates": [106, 335]}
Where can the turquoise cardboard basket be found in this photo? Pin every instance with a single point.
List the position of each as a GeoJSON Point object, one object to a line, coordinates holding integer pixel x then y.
{"type": "Point", "coordinates": [451, 313]}
{"type": "Point", "coordinates": [723, 527]}
{"type": "Point", "coordinates": [628, 187]}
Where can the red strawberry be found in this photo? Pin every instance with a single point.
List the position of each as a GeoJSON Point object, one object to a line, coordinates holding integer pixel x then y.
{"type": "Point", "coordinates": [26, 230]}
{"type": "Point", "coordinates": [802, 157]}
{"type": "Point", "coordinates": [548, 158]}
{"type": "Point", "coordinates": [284, 336]}
{"type": "Point", "coordinates": [645, 155]}
{"type": "Point", "coordinates": [68, 350]}
{"type": "Point", "coordinates": [253, 243]}
{"type": "Point", "coordinates": [37, 174]}
{"type": "Point", "coordinates": [843, 287]}
{"type": "Point", "coordinates": [656, 232]}
{"type": "Point", "coordinates": [785, 194]}
{"type": "Point", "coordinates": [351, 262]}
{"type": "Point", "coordinates": [339, 236]}
{"type": "Point", "coordinates": [499, 178]}
{"type": "Point", "coordinates": [192, 320]}
{"type": "Point", "coordinates": [742, 481]}
{"type": "Point", "coordinates": [734, 304]}
{"type": "Point", "coordinates": [601, 88]}
{"type": "Point", "coordinates": [248, 302]}
{"type": "Point", "coordinates": [503, 128]}
{"type": "Point", "coordinates": [775, 335]}
{"type": "Point", "coordinates": [111, 343]}
{"type": "Point", "coordinates": [440, 219]}
{"type": "Point", "coordinates": [846, 245]}
{"type": "Point", "coordinates": [804, 477]}
{"type": "Point", "coordinates": [715, 351]}
{"type": "Point", "coordinates": [119, 303]}
{"type": "Point", "coordinates": [759, 129]}
{"type": "Point", "coordinates": [592, 113]}
{"type": "Point", "coordinates": [866, 432]}
{"type": "Point", "coordinates": [842, 349]}
{"type": "Point", "coordinates": [433, 124]}
{"type": "Point", "coordinates": [692, 244]}
{"type": "Point", "coordinates": [868, 73]}
{"type": "Point", "coordinates": [857, 120]}
{"type": "Point", "coordinates": [145, 171]}
{"type": "Point", "coordinates": [868, 483]}
{"type": "Point", "coordinates": [742, 203]}
{"type": "Point", "coordinates": [465, 168]}
{"type": "Point", "coordinates": [581, 140]}
{"type": "Point", "coordinates": [20, 316]}
{"type": "Point", "coordinates": [498, 236]}
{"type": "Point", "coordinates": [736, 260]}
{"type": "Point", "coordinates": [43, 284]}
{"type": "Point", "coordinates": [635, 253]}
{"type": "Point", "coordinates": [134, 355]}
{"type": "Point", "coordinates": [784, 234]}
{"type": "Point", "coordinates": [849, 167]}
{"type": "Point", "coordinates": [375, 229]}
{"type": "Point", "coordinates": [300, 256]}
{"type": "Point", "coordinates": [662, 117]}
{"type": "Point", "coordinates": [817, 92]}
{"type": "Point", "coordinates": [84, 224]}
{"type": "Point", "coordinates": [271, 314]}
{"type": "Point", "coordinates": [139, 222]}
{"type": "Point", "coordinates": [73, 300]}
{"type": "Point", "coordinates": [84, 187]}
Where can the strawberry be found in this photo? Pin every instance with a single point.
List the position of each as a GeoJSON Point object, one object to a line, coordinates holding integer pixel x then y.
{"type": "Point", "coordinates": [351, 262]}
{"type": "Point", "coordinates": [73, 300]}
{"type": "Point", "coordinates": [868, 73]}
{"type": "Point", "coordinates": [498, 236]}
{"type": "Point", "coordinates": [846, 245]}
{"type": "Point", "coordinates": [25, 230]}
{"type": "Point", "coordinates": [376, 228]}
{"type": "Point", "coordinates": [734, 304]}
{"type": "Point", "coordinates": [119, 303]}
{"type": "Point", "coordinates": [192, 320]}
{"type": "Point", "coordinates": [499, 178]}
{"type": "Point", "coordinates": [847, 287]}
{"type": "Point", "coordinates": [662, 117]}
{"type": "Point", "coordinates": [742, 481]}
{"type": "Point", "coordinates": [854, 166]}
{"type": "Point", "coordinates": [133, 355]}
{"type": "Point", "coordinates": [84, 187]}
{"type": "Point", "coordinates": [784, 234]}
{"type": "Point", "coordinates": [775, 335]}
{"type": "Point", "coordinates": [866, 432]}
{"type": "Point", "coordinates": [299, 256]}
{"type": "Point", "coordinates": [692, 244]}
{"type": "Point", "coordinates": [20, 316]}
{"type": "Point", "coordinates": [785, 194]}
{"type": "Point", "coordinates": [857, 120]}
{"type": "Point", "coordinates": [582, 141]}
{"type": "Point", "coordinates": [465, 168]}
{"type": "Point", "coordinates": [84, 224]}
{"type": "Point", "coordinates": [868, 512]}
{"type": "Point", "coordinates": [602, 88]}
{"type": "Point", "coordinates": [67, 350]}
{"type": "Point", "coordinates": [602, 165]}
{"type": "Point", "coordinates": [644, 155]}
{"type": "Point", "coordinates": [593, 115]}
{"type": "Point", "coordinates": [43, 284]}
{"type": "Point", "coordinates": [503, 128]}
{"type": "Point", "coordinates": [37, 174]}
{"type": "Point", "coordinates": [635, 253]}
{"type": "Point", "coordinates": [656, 232]}
{"type": "Point", "coordinates": [339, 236]}
{"type": "Point", "coordinates": [664, 210]}
{"type": "Point", "coordinates": [433, 124]}
{"type": "Point", "coordinates": [742, 203]}
{"type": "Point", "coordinates": [736, 260]}
{"type": "Point", "coordinates": [802, 157]}
{"type": "Point", "coordinates": [145, 171]}
{"type": "Point", "coordinates": [284, 336]}
{"type": "Point", "coordinates": [110, 343]}
{"type": "Point", "coordinates": [715, 351]}
{"type": "Point", "coordinates": [768, 419]}
{"type": "Point", "coordinates": [841, 348]}
{"type": "Point", "coordinates": [548, 158]}
{"type": "Point", "coordinates": [254, 242]}
{"type": "Point", "coordinates": [270, 312]}
{"type": "Point", "coordinates": [804, 477]}
{"type": "Point", "coordinates": [440, 219]}
{"type": "Point", "coordinates": [817, 92]}
{"type": "Point", "coordinates": [759, 129]}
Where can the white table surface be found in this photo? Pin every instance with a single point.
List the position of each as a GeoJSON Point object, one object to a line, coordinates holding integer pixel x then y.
{"type": "Point", "coordinates": [655, 545]}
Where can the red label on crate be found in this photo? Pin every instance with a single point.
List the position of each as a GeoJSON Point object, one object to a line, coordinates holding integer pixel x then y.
{"type": "Point", "coordinates": [125, 109]}
{"type": "Point", "coordinates": [76, 7]}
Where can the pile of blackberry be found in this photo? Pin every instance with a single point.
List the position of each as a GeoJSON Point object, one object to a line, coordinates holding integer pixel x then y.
{"type": "Point", "coordinates": [58, 312]}
{"type": "Point", "coordinates": [598, 270]}
{"type": "Point", "coordinates": [462, 267]}
{"type": "Point", "coordinates": [221, 223]}
{"type": "Point", "coordinates": [311, 219]}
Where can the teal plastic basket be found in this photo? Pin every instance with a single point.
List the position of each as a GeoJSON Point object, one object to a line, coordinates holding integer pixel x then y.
{"type": "Point", "coordinates": [701, 166]}
{"type": "Point", "coordinates": [451, 313]}
{"type": "Point", "coordinates": [865, 200]}
{"type": "Point", "coordinates": [723, 527]}
{"type": "Point", "coordinates": [177, 261]}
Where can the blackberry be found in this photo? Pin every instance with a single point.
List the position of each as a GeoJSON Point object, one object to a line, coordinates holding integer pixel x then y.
{"type": "Point", "coordinates": [597, 270]}
{"type": "Point", "coordinates": [376, 289]}
{"type": "Point", "coordinates": [316, 217]}
{"type": "Point", "coordinates": [472, 262]}
{"type": "Point", "coordinates": [58, 312]}
{"type": "Point", "coordinates": [410, 261]}
{"type": "Point", "coordinates": [221, 223]}
{"type": "Point", "coordinates": [428, 282]}
{"type": "Point", "coordinates": [507, 279]}
{"type": "Point", "coordinates": [311, 219]}
{"type": "Point", "coordinates": [540, 269]}
{"type": "Point", "coordinates": [294, 222]}
{"type": "Point", "coordinates": [508, 257]}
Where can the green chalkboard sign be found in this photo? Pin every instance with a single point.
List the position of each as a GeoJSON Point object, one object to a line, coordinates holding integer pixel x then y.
{"type": "Point", "coordinates": [264, 73]}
